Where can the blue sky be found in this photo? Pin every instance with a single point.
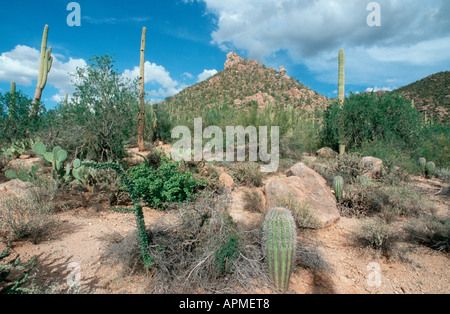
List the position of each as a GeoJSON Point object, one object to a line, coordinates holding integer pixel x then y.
{"type": "Point", "coordinates": [187, 41]}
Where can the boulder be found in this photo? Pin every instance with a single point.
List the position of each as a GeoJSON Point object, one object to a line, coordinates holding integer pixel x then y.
{"type": "Point", "coordinates": [282, 70]}
{"type": "Point", "coordinates": [305, 185]}
{"type": "Point", "coordinates": [227, 181]}
{"type": "Point", "coordinates": [375, 165]}
{"type": "Point", "coordinates": [15, 188]}
{"type": "Point", "coordinates": [326, 152]}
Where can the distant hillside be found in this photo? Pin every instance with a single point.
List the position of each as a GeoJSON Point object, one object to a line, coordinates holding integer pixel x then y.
{"type": "Point", "coordinates": [243, 83]}
{"type": "Point", "coordinates": [431, 95]}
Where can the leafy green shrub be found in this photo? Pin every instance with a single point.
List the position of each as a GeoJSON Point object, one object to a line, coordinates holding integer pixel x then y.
{"type": "Point", "coordinates": [165, 184]}
{"type": "Point", "coordinates": [227, 251]}
{"type": "Point", "coordinates": [368, 117]}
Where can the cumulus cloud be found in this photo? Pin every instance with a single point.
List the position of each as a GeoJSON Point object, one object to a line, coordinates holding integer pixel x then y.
{"type": "Point", "coordinates": [206, 74]}
{"type": "Point", "coordinates": [22, 66]}
{"type": "Point", "coordinates": [157, 74]}
{"type": "Point", "coordinates": [413, 34]}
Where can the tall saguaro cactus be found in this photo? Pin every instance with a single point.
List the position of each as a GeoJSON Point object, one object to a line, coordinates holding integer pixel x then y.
{"type": "Point", "coordinates": [141, 127]}
{"type": "Point", "coordinates": [12, 105]}
{"type": "Point", "coordinates": [341, 76]}
{"type": "Point", "coordinates": [341, 93]}
{"type": "Point", "coordinates": [279, 237]}
{"type": "Point", "coordinates": [45, 66]}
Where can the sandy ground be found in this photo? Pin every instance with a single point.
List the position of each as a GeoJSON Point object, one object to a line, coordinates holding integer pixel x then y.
{"type": "Point", "coordinates": [80, 237]}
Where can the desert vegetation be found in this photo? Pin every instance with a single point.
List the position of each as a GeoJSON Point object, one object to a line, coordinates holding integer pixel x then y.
{"type": "Point", "coordinates": [188, 234]}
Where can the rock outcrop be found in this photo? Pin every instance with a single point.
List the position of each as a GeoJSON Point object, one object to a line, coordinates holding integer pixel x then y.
{"type": "Point", "coordinates": [303, 184]}
{"type": "Point", "coordinates": [233, 59]}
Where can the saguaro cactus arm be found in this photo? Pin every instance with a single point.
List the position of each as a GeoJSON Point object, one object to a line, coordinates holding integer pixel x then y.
{"type": "Point", "coordinates": [45, 66]}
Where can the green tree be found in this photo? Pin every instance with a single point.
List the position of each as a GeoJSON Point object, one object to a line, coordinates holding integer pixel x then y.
{"type": "Point", "coordinates": [103, 116]}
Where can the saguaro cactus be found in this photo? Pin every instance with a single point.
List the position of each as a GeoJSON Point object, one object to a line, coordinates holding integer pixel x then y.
{"type": "Point", "coordinates": [45, 66]}
{"type": "Point", "coordinates": [338, 186]}
{"type": "Point", "coordinates": [341, 81]}
{"type": "Point", "coordinates": [279, 238]}
{"type": "Point", "coordinates": [12, 105]}
{"type": "Point", "coordinates": [141, 127]}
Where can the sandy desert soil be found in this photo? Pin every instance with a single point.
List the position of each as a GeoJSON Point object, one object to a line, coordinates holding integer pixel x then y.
{"type": "Point", "coordinates": [80, 238]}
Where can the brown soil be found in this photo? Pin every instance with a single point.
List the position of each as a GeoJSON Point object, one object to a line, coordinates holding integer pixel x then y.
{"type": "Point", "coordinates": [82, 235]}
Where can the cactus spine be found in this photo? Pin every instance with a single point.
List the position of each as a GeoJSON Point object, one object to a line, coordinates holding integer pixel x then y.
{"type": "Point", "coordinates": [338, 186]}
{"type": "Point", "coordinates": [430, 168]}
{"type": "Point", "coordinates": [279, 238]}
{"type": "Point", "coordinates": [45, 66]}
{"type": "Point", "coordinates": [141, 127]}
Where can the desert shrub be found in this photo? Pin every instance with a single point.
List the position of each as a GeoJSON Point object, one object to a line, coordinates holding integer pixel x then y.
{"type": "Point", "coordinates": [443, 174]}
{"type": "Point", "coordinates": [376, 233]}
{"type": "Point", "coordinates": [368, 117]}
{"type": "Point", "coordinates": [431, 232]}
{"type": "Point", "coordinates": [163, 185]}
{"type": "Point", "coordinates": [15, 121]}
{"type": "Point", "coordinates": [245, 173]}
{"type": "Point", "coordinates": [303, 214]}
{"type": "Point", "coordinates": [100, 119]}
{"type": "Point", "coordinates": [252, 201]}
{"type": "Point", "coordinates": [28, 216]}
{"type": "Point", "coordinates": [197, 248]}
{"type": "Point", "coordinates": [350, 166]}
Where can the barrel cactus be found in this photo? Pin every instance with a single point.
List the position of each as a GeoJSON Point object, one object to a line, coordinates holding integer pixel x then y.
{"type": "Point", "coordinates": [430, 169]}
{"type": "Point", "coordinates": [338, 186]}
{"type": "Point", "coordinates": [422, 162]}
{"type": "Point", "coordinates": [279, 239]}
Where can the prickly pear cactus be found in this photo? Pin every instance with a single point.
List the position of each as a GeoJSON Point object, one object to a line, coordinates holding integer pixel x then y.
{"type": "Point", "coordinates": [279, 238]}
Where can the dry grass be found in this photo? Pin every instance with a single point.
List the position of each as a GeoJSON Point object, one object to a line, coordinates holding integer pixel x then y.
{"type": "Point", "coordinates": [197, 248]}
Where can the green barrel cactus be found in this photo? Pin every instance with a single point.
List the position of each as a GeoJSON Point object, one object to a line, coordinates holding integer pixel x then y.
{"type": "Point", "coordinates": [430, 169]}
{"type": "Point", "coordinates": [279, 239]}
{"type": "Point", "coordinates": [338, 186]}
{"type": "Point", "coordinates": [422, 162]}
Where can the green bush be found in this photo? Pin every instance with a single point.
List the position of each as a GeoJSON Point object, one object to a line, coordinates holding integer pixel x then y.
{"type": "Point", "coordinates": [165, 184]}
{"type": "Point", "coordinates": [369, 117]}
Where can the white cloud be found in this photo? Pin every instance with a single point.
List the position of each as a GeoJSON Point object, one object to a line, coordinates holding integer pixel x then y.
{"type": "Point", "coordinates": [188, 75]}
{"type": "Point", "coordinates": [379, 89]}
{"type": "Point", "coordinates": [22, 66]}
{"type": "Point", "coordinates": [206, 74]}
{"type": "Point", "coordinates": [157, 74]}
{"type": "Point", "coordinates": [414, 37]}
